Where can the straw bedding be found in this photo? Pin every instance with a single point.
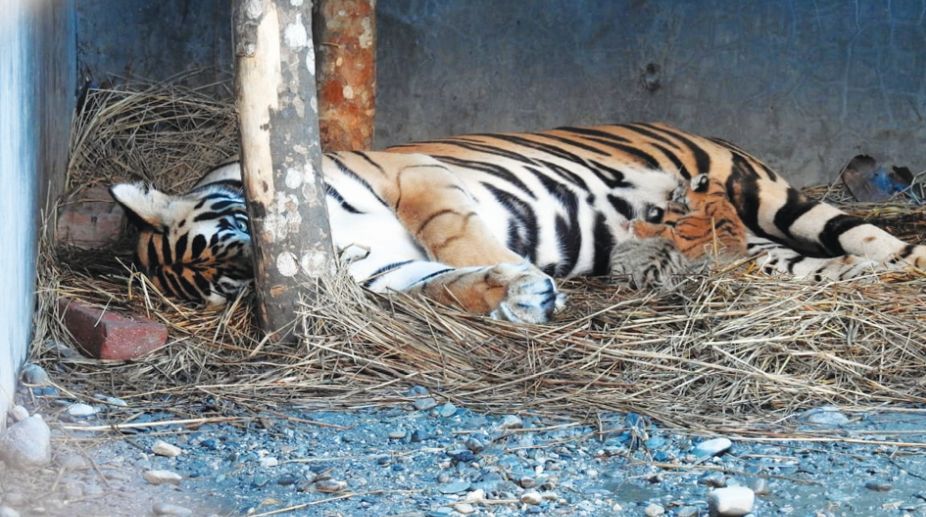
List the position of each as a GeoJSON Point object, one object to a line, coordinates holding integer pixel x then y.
{"type": "Point", "coordinates": [730, 350]}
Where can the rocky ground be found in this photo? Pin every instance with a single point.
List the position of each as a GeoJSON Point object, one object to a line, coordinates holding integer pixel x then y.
{"type": "Point", "coordinates": [427, 457]}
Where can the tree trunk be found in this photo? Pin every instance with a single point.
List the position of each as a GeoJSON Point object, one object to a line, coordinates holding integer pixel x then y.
{"type": "Point", "coordinates": [346, 36]}
{"type": "Point", "coordinates": [281, 156]}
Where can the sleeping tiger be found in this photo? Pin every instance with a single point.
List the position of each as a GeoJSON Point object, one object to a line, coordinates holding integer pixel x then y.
{"type": "Point", "coordinates": [485, 221]}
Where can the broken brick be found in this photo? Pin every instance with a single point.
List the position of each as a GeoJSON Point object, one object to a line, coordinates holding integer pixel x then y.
{"type": "Point", "coordinates": [106, 334]}
{"type": "Point", "coordinates": [93, 220]}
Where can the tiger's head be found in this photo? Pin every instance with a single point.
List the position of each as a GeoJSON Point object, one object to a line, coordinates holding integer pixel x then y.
{"type": "Point", "coordinates": [195, 246]}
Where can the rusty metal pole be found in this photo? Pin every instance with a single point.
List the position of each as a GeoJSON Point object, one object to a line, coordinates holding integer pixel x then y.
{"type": "Point", "coordinates": [346, 73]}
{"type": "Point", "coordinates": [281, 156]}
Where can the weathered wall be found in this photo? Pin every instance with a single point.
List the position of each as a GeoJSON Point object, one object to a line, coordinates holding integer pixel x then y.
{"type": "Point", "coordinates": [154, 39]}
{"type": "Point", "coordinates": [804, 85]}
{"type": "Point", "coordinates": [37, 64]}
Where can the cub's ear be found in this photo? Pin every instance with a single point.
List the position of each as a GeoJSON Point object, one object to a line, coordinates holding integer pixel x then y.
{"type": "Point", "coordinates": [146, 206]}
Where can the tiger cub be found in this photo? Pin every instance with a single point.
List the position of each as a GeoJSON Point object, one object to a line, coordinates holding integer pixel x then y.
{"type": "Point", "coordinates": [700, 221]}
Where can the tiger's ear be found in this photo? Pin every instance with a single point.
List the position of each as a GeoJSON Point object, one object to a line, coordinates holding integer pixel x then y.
{"type": "Point", "coordinates": [145, 205]}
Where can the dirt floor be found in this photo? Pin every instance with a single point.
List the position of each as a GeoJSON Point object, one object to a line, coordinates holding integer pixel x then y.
{"type": "Point", "coordinates": [426, 457]}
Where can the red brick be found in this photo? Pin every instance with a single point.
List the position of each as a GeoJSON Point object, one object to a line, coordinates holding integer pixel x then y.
{"type": "Point", "coordinates": [92, 220]}
{"type": "Point", "coordinates": [106, 334]}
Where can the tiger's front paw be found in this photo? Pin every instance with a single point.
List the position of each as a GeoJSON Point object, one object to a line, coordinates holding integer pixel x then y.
{"type": "Point", "coordinates": [531, 295]}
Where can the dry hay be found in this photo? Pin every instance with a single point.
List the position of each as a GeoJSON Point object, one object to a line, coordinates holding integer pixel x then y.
{"type": "Point", "coordinates": [729, 351]}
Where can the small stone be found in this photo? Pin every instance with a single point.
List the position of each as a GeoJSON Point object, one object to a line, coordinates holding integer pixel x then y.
{"type": "Point", "coordinates": [531, 497]}
{"type": "Point", "coordinates": [26, 443]}
{"type": "Point", "coordinates": [447, 410]}
{"type": "Point", "coordinates": [475, 497]}
{"type": "Point", "coordinates": [81, 410]}
{"type": "Point", "coordinates": [878, 486]}
{"type": "Point", "coordinates": [475, 445]}
{"type": "Point", "coordinates": [713, 447]}
{"type": "Point", "coordinates": [527, 482]}
{"type": "Point", "coordinates": [331, 486]}
{"type": "Point", "coordinates": [654, 510]}
{"type": "Point", "coordinates": [160, 477]}
{"type": "Point", "coordinates": [425, 404]}
{"type": "Point", "coordinates": [6, 511]}
{"type": "Point", "coordinates": [418, 436]}
{"type": "Point", "coordinates": [162, 448]}
{"type": "Point", "coordinates": [72, 461]}
{"type": "Point", "coordinates": [511, 422]}
{"type": "Point", "coordinates": [19, 413]}
{"type": "Point", "coordinates": [287, 480]}
{"type": "Point", "coordinates": [113, 401]}
{"type": "Point", "coordinates": [655, 442]}
{"type": "Point", "coordinates": [760, 487]}
{"type": "Point", "coordinates": [733, 501]}
{"type": "Point", "coordinates": [687, 511]}
{"type": "Point", "coordinates": [455, 487]}
{"type": "Point", "coordinates": [397, 435]}
{"type": "Point", "coordinates": [269, 462]}
{"type": "Point", "coordinates": [34, 375]}
{"type": "Point", "coordinates": [713, 480]}
{"type": "Point", "coordinates": [464, 508]}
{"type": "Point", "coordinates": [73, 490]}
{"type": "Point", "coordinates": [826, 416]}
{"type": "Point", "coordinates": [209, 443]}
{"type": "Point", "coordinates": [171, 509]}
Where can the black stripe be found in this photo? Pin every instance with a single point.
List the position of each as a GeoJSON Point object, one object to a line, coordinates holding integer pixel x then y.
{"type": "Point", "coordinates": [702, 159]}
{"type": "Point", "coordinates": [205, 216]}
{"type": "Point", "coordinates": [639, 129]}
{"type": "Point", "coordinates": [487, 149]}
{"type": "Point", "coordinates": [348, 172]}
{"type": "Point", "coordinates": [370, 161]}
{"type": "Point", "coordinates": [573, 143]}
{"type": "Point", "coordinates": [565, 174]}
{"type": "Point", "coordinates": [679, 166]}
{"type": "Point", "coordinates": [383, 270]}
{"type": "Point", "coordinates": [638, 154]}
{"type": "Point", "coordinates": [833, 229]}
{"type": "Point", "coordinates": [538, 146]}
{"type": "Point", "coordinates": [180, 246]}
{"type": "Point", "coordinates": [568, 231]}
{"type": "Point", "coordinates": [429, 276]}
{"type": "Point", "coordinates": [522, 229]}
{"type": "Point", "coordinates": [610, 176]}
{"type": "Point", "coordinates": [488, 168]}
{"type": "Point", "coordinates": [586, 131]}
{"type": "Point", "coordinates": [795, 206]}
{"type": "Point", "coordinates": [340, 200]}
{"type": "Point", "coordinates": [199, 244]}
{"type": "Point", "coordinates": [604, 243]}
{"type": "Point", "coordinates": [622, 206]}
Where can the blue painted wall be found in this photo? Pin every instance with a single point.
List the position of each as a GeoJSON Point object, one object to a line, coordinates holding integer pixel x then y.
{"type": "Point", "coordinates": [37, 63]}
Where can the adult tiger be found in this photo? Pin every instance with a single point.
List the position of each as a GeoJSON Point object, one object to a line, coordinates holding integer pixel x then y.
{"type": "Point", "coordinates": [485, 220]}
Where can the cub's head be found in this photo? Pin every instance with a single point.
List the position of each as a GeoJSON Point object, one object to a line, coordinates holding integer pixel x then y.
{"type": "Point", "coordinates": [196, 246]}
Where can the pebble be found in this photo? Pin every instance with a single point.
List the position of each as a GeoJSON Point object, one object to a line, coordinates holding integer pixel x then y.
{"type": "Point", "coordinates": [878, 486]}
{"type": "Point", "coordinates": [712, 447]}
{"type": "Point", "coordinates": [113, 401]}
{"type": "Point", "coordinates": [826, 416]}
{"type": "Point", "coordinates": [6, 511]}
{"type": "Point", "coordinates": [330, 486]}
{"type": "Point", "coordinates": [475, 497]}
{"type": "Point", "coordinates": [475, 445]}
{"type": "Point", "coordinates": [511, 422]}
{"type": "Point", "coordinates": [19, 413]}
{"type": "Point", "coordinates": [80, 410]}
{"type": "Point", "coordinates": [269, 462]}
{"type": "Point", "coordinates": [713, 480]}
{"type": "Point", "coordinates": [159, 477]}
{"type": "Point", "coordinates": [419, 436]}
{"type": "Point", "coordinates": [733, 501]}
{"type": "Point", "coordinates": [531, 497]}
{"type": "Point", "coordinates": [162, 448]}
{"type": "Point", "coordinates": [447, 410]}
{"type": "Point", "coordinates": [72, 461]}
{"type": "Point", "coordinates": [34, 375]}
{"type": "Point", "coordinates": [171, 509]}
{"type": "Point", "coordinates": [26, 443]}
{"type": "Point", "coordinates": [654, 510]}
{"type": "Point", "coordinates": [760, 487]}
{"type": "Point", "coordinates": [397, 435]}
{"type": "Point", "coordinates": [527, 482]}
{"type": "Point", "coordinates": [687, 511]}
{"type": "Point", "coordinates": [464, 508]}
{"type": "Point", "coordinates": [455, 487]}
{"type": "Point", "coordinates": [425, 403]}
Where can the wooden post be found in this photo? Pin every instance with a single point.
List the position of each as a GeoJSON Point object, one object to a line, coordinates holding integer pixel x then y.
{"type": "Point", "coordinates": [281, 156]}
{"type": "Point", "coordinates": [346, 73]}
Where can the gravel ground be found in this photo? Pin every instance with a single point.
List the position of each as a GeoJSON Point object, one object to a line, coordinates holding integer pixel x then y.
{"type": "Point", "coordinates": [430, 458]}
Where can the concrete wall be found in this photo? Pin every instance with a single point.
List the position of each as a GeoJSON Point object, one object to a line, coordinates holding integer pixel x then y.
{"type": "Point", "coordinates": [804, 85]}
{"type": "Point", "coordinates": [37, 64]}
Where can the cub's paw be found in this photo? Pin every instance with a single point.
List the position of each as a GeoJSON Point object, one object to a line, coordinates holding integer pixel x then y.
{"type": "Point", "coordinates": [911, 256]}
{"type": "Point", "coordinates": [531, 295]}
